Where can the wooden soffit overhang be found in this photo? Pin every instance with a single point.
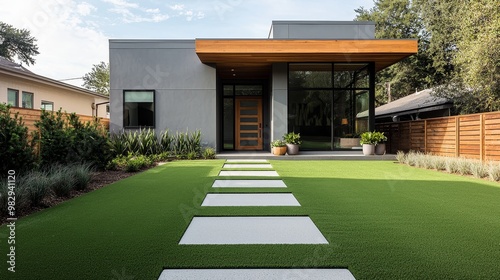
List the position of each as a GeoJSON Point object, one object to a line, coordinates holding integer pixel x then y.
{"type": "Point", "coordinates": [267, 51]}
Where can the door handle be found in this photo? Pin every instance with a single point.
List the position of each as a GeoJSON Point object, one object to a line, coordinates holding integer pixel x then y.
{"type": "Point", "coordinates": [260, 130]}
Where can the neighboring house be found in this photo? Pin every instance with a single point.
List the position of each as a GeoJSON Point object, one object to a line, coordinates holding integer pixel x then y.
{"type": "Point", "coordinates": [311, 77]}
{"type": "Point", "coordinates": [420, 105]}
{"type": "Point", "coordinates": [22, 88]}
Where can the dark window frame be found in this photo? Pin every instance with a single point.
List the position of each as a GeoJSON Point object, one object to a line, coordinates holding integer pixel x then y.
{"type": "Point", "coordinates": [32, 99]}
{"type": "Point", "coordinates": [154, 109]}
{"type": "Point", "coordinates": [17, 97]}
{"type": "Point", "coordinates": [45, 102]}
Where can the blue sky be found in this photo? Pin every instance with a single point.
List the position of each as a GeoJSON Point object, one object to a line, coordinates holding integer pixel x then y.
{"type": "Point", "coordinates": [72, 35]}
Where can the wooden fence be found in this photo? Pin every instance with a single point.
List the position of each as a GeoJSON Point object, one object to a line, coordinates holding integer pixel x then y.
{"type": "Point", "coordinates": [472, 136]}
{"type": "Point", "coordinates": [30, 116]}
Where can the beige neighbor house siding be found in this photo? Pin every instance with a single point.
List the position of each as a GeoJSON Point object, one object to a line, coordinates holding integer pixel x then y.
{"type": "Point", "coordinates": [70, 98]}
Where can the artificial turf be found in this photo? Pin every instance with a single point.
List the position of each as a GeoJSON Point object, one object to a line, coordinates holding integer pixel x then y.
{"type": "Point", "coordinates": [382, 220]}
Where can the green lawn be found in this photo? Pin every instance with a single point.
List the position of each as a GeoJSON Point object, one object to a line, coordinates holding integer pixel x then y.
{"type": "Point", "coordinates": [383, 221]}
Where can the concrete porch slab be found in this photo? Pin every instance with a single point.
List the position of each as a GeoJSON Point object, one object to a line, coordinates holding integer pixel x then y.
{"type": "Point", "coordinates": [248, 184]}
{"type": "Point", "coordinates": [250, 199]}
{"type": "Point", "coordinates": [249, 165]}
{"type": "Point", "coordinates": [250, 274]}
{"type": "Point", "coordinates": [247, 160]}
{"type": "Point", "coordinates": [252, 230]}
{"type": "Point", "coordinates": [249, 173]}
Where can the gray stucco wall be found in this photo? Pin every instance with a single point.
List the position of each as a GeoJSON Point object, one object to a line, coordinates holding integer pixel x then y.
{"type": "Point", "coordinates": [279, 101]}
{"type": "Point", "coordinates": [185, 88]}
{"type": "Point", "coordinates": [323, 30]}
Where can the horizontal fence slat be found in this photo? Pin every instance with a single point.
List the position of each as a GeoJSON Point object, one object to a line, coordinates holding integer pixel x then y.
{"type": "Point", "coordinates": [477, 135]}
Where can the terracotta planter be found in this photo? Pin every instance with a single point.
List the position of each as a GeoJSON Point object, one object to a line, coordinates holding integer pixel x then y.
{"type": "Point", "coordinates": [380, 149]}
{"type": "Point", "coordinates": [279, 151]}
{"type": "Point", "coordinates": [292, 149]}
{"type": "Point", "coordinates": [368, 149]}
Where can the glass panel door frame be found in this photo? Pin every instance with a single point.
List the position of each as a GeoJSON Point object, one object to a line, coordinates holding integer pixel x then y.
{"type": "Point", "coordinates": [228, 92]}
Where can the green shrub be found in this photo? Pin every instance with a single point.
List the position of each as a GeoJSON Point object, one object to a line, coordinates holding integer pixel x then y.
{"type": "Point", "coordinates": [401, 157]}
{"type": "Point", "coordinates": [21, 197]}
{"type": "Point", "coordinates": [439, 163]}
{"type": "Point", "coordinates": [478, 169]}
{"type": "Point", "coordinates": [138, 162]}
{"type": "Point", "coordinates": [494, 171]}
{"type": "Point", "coordinates": [192, 155]}
{"type": "Point", "coordinates": [117, 144]}
{"type": "Point", "coordinates": [54, 140]}
{"type": "Point", "coordinates": [463, 166]}
{"type": "Point", "coordinates": [62, 180]}
{"type": "Point", "coordinates": [89, 142]}
{"type": "Point", "coordinates": [148, 143]}
{"type": "Point", "coordinates": [82, 174]}
{"type": "Point", "coordinates": [451, 165]}
{"type": "Point", "coordinates": [165, 141]}
{"type": "Point", "coordinates": [37, 186]}
{"type": "Point", "coordinates": [209, 153]}
{"type": "Point", "coordinates": [16, 152]}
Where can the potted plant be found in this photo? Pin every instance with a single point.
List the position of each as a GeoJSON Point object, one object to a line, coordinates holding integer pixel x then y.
{"type": "Point", "coordinates": [278, 147]}
{"type": "Point", "coordinates": [293, 141]}
{"type": "Point", "coordinates": [379, 139]}
{"type": "Point", "coordinates": [368, 143]}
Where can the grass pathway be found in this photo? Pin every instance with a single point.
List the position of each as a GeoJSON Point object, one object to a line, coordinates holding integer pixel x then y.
{"type": "Point", "coordinates": [250, 230]}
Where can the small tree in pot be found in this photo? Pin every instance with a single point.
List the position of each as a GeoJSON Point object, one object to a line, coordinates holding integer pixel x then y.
{"type": "Point", "coordinates": [293, 142]}
{"type": "Point", "coordinates": [278, 147]}
{"type": "Point", "coordinates": [368, 142]}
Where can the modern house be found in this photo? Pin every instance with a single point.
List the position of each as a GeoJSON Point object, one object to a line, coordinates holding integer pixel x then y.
{"type": "Point", "coordinates": [310, 77]}
{"type": "Point", "coordinates": [25, 89]}
{"type": "Point", "coordinates": [419, 105]}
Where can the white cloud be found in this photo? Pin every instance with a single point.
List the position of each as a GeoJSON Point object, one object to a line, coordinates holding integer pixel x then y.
{"type": "Point", "coordinates": [85, 9]}
{"type": "Point", "coordinates": [68, 45]}
{"type": "Point", "coordinates": [177, 7]}
{"type": "Point", "coordinates": [122, 3]}
{"type": "Point", "coordinates": [133, 13]}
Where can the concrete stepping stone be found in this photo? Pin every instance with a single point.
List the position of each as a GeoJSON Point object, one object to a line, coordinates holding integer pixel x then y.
{"type": "Point", "coordinates": [248, 165]}
{"type": "Point", "coordinates": [250, 199]}
{"type": "Point", "coordinates": [247, 160]}
{"type": "Point", "coordinates": [250, 274]}
{"type": "Point", "coordinates": [264, 173]}
{"type": "Point", "coordinates": [252, 230]}
{"type": "Point", "coordinates": [248, 184]}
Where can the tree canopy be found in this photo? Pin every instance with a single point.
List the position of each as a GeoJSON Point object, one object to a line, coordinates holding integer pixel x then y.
{"type": "Point", "coordinates": [98, 78]}
{"type": "Point", "coordinates": [17, 43]}
{"type": "Point", "coordinates": [459, 49]}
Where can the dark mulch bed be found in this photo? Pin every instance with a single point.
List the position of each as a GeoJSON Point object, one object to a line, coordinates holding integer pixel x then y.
{"type": "Point", "coordinates": [99, 180]}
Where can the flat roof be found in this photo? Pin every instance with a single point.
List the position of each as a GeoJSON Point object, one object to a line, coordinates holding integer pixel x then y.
{"type": "Point", "coordinates": [267, 51]}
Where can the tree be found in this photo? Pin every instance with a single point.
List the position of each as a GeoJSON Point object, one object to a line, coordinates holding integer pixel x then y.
{"type": "Point", "coordinates": [469, 49]}
{"type": "Point", "coordinates": [401, 19]}
{"type": "Point", "coordinates": [98, 78]}
{"type": "Point", "coordinates": [17, 43]}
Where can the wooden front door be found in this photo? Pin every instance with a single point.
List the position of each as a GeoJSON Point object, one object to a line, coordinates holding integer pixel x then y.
{"type": "Point", "coordinates": [248, 123]}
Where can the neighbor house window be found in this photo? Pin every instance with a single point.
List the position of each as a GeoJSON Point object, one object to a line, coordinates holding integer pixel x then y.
{"type": "Point", "coordinates": [139, 108]}
{"type": "Point", "coordinates": [47, 106]}
{"type": "Point", "coordinates": [13, 97]}
{"type": "Point", "coordinates": [27, 100]}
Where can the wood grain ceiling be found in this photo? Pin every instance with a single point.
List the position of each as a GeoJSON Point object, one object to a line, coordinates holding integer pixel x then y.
{"type": "Point", "coordinates": [237, 58]}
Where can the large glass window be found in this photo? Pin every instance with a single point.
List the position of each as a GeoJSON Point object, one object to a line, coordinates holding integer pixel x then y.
{"type": "Point", "coordinates": [139, 108]}
{"type": "Point", "coordinates": [324, 100]}
{"type": "Point", "coordinates": [13, 97]}
{"type": "Point", "coordinates": [27, 100]}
